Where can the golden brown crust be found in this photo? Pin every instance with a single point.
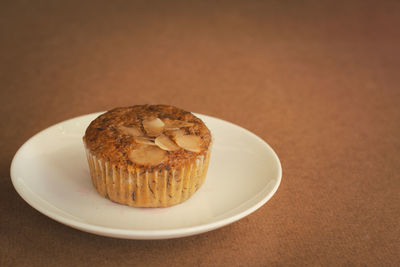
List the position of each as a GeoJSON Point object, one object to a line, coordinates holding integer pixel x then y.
{"type": "Point", "coordinates": [106, 140]}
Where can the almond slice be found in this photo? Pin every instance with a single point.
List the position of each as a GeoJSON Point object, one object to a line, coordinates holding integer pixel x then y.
{"type": "Point", "coordinates": [176, 133]}
{"type": "Point", "coordinates": [153, 127]}
{"type": "Point", "coordinates": [133, 130]}
{"type": "Point", "coordinates": [144, 140]}
{"type": "Point", "coordinates": [165, 143]}
{"type": "Point", "coordinates": [189, 142]}
{"type": "Point", "coordinates": [176, 124]}
{"type": "Point", "coordinates": [147, 155]}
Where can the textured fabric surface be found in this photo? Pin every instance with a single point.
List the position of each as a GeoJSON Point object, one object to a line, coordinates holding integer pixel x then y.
{"type": "Point", "coordinates": [318, 81]}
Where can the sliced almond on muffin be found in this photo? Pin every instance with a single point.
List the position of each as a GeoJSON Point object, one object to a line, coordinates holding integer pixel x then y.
{"type": "Point", "coordinates": [176, 133]}
{"type": "Point", "coordinates": [189, 142]}
{"type": "Point", "coordinates": [153, 127]}
{"type": "Point", "coordinates": [144, 140]}
{"type": "Point", "coordinates": [147, 155]}
{"type": "Point", "coordinates": [132, 131]}
{"type": "Point", "coordinates": [176, 124]}
{"type": "Point", "coordinates": [165, 143]}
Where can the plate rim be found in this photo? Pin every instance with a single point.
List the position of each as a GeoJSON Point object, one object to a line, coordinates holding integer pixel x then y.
{"type": "Point", "coordinates": [144, 234]}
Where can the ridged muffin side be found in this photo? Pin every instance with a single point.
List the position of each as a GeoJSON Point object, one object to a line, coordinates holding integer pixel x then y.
{"type": "Point", "coordinates": [140, 187]}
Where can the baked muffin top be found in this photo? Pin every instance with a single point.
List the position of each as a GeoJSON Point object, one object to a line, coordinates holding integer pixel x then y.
{"type": "Point", "coordinates": [148, 136]}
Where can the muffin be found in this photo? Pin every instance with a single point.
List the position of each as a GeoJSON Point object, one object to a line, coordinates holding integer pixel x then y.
{"type": "Point", "coordinates": [147, 155]}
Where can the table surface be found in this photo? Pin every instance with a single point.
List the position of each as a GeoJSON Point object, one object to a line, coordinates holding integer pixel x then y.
{"type": "Point", "coordinates": [318, 81]}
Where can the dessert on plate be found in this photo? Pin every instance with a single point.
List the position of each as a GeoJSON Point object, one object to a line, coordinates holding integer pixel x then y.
{"type": "Point", "coordinates": [147, 155]}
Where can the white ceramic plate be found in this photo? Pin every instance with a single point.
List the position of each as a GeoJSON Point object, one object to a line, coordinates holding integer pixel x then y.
{"type": "Point", "coordinates": [51, 173]}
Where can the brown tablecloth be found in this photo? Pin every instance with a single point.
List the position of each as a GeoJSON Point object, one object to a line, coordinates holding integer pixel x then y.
{"type": "Point", "coordinates": [318, 81]}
